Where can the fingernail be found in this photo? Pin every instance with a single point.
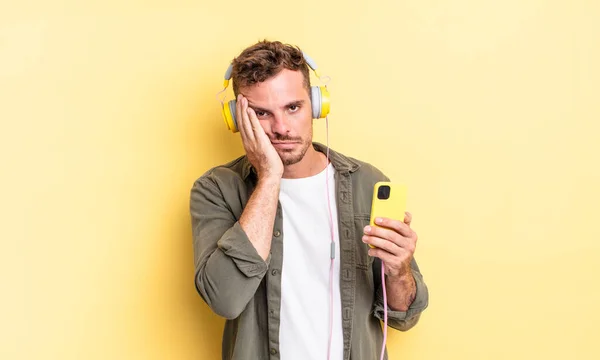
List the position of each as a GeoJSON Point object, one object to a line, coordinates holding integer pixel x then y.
{"type": "Point", "coordinates": [367, 229]}
{"type": "Point", "coordinates": [378, 220]}
{"type": "Point", "coordinates": [364, 238]}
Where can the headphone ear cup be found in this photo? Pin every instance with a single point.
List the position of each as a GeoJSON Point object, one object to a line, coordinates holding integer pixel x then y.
{"type": "Point", "coordinates": [315, 100]}
{"type": "Point", "coordinates": [325, 101]}
{"type": "Point", "coordinates": [320, 102]}
{"type": "Point", "coordinates": [229, 116]}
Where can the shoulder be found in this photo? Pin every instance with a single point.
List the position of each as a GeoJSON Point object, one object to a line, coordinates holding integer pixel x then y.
{"type": "Point", "coordinates": [356, 167]}
{"type": "Point", "coordinates": [227, 174]}
{"type": "Point", "coordinates": [359, 168]}
{"type": "Point", "coordinates": [369, 171]}
{"type": "Point", "coordinates": [221, 188]}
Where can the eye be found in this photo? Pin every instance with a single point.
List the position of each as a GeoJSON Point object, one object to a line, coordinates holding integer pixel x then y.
{"type": "Point", "coordinates": [261, 113]}
{"type": "Point", "coordinates": [294, 108]}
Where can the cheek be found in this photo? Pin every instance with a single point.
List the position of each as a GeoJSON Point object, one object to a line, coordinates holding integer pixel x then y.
{"type": "Point", "coordinates": [266, 125]}
{"type": "Point", "coordinates": [303, 122]}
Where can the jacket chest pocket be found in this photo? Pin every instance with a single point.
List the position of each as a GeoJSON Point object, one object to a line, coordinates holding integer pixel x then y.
{"type": "Point", "coordinates": [363, 260]}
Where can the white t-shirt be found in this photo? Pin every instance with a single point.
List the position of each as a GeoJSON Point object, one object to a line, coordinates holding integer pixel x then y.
{"type": "Point", "coordinates": [305, 287]}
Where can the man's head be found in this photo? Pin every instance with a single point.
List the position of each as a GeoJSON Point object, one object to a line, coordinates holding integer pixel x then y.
{"type": "Point", "coordinates": [275, 79]}
{"type": "Point", "coordinates": [264, 60]}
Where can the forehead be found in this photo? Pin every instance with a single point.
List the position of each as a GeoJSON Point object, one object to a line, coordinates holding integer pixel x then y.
{"type": "Point", "coordinates": [279, 90]}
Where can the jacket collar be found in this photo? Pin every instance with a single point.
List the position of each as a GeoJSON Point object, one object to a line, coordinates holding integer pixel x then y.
{"type": "Point", "coordinates": [340, 162]}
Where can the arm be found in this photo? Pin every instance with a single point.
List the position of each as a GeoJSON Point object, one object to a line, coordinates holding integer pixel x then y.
{"type": "Point", "coordinates": [401, 318]}
{"type": "Point", "coordinates": [400, 291]}
{"type": "Point", "coordinates": [259, 215]}
{"type": "Point", "coordinates": [407, 294]}
{"type": "Point", "coordinates": [232, 257]}
{"type": "Point", "coordinates": [230, 261]}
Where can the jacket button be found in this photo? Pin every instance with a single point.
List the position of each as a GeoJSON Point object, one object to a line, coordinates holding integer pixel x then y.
{"type": "Point", "coordinates": [277, 233]}
{"type": "Point", "coordinates": [274, 272]}
{"type": "Point", "coordinates": [273, 351]}
{"type": "Point", "coordinates": [347, 313]}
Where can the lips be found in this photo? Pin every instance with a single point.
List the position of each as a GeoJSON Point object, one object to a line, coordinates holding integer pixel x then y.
{"type": "Point", "coordinates": [284, 144]}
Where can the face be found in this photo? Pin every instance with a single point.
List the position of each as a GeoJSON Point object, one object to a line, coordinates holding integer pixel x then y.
{"type": "Point", "coordinates": [282, 105]}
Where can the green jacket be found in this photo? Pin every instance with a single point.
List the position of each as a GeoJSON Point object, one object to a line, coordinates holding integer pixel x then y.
{"type": "Point", "coordinates": [240, 286]}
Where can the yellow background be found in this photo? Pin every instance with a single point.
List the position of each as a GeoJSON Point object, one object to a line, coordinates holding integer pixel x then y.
{"type": "Point", "coordinates": [487, 110]}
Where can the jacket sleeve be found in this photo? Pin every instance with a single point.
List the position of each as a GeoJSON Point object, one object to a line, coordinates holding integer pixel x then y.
{"type": "Point", "coordinates": [228, 269]}
{"type": "Point", "coordinates": [401, 320]}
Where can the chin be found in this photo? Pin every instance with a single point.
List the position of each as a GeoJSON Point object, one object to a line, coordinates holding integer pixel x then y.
{"type": "Point", "coordinates": [290, 157]}
{"type": "Point", "coordinates": [295, 155]}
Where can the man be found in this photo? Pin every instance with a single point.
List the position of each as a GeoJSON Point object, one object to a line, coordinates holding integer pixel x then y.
{"type": "Point", "coordinates": [263, 224]}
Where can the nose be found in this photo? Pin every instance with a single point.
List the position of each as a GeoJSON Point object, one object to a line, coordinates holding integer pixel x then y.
{"type": "Point", "coordinates": [280, 124]}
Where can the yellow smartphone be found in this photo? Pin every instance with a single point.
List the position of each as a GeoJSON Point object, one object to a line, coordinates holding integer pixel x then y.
{"type": "Point", "coordinates": [389, 200]}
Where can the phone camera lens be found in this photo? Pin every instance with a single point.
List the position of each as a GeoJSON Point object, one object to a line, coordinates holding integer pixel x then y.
{"type": "Point", "coordinates": [383, 192]}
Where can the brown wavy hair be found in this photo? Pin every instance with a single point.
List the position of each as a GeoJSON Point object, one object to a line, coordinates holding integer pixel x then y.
{"type": "Point", "coordinates": [264, 60]}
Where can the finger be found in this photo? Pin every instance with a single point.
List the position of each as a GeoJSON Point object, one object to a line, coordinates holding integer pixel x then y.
{"type": "Point", "coordinates": [259, 132]}
{"type": "Point", "coordinates": [396, 225]}
{"type": "Point", "coordinates": [246, 121]}
{"type": "Point", "coordinates": [407, 218]}
{"type": "Point", "coordinates": [383, 244]}
{"type": "Point", "coordinates": [388, 235]}
{"type": "Point", "coordinates": [239, 117]}
{"type": "Point", "coordinates": [386, 257]}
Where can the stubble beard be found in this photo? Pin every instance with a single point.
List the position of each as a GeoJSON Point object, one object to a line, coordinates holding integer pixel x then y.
{"type": "Point", "coordinates": [291, 157]}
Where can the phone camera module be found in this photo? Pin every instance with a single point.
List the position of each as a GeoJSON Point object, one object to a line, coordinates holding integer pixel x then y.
{"type": "Point", "coordinates": [383, 192]}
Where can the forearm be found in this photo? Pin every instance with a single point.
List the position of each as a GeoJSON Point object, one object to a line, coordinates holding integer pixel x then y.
{"type": "Point", "coordinates": [401, 291]}
{"type": "Point", "coordinates": [407, 297]}
{"type": "Point", "coordinates": [259, 215]}
{"type": "Point", "coordinates": [229, 277]}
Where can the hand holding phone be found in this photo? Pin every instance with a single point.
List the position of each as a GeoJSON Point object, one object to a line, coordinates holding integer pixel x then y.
{"type": "Point", "coordinates": [389, 201]}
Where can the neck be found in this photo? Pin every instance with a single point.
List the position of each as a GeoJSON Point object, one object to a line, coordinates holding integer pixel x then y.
{"type": "Point", "coordinates": [311, 164]}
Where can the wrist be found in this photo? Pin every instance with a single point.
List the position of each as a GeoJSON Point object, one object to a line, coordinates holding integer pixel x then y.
{"type": "Point", "coordinates": [269, 180]}
{"type": "Point", "coordinates": [404, 277]}
{"type": "Point", "coordinates": [405, 288]}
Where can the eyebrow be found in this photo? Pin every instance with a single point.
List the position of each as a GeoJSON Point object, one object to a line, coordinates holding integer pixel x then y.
{"type": "Point", "coordinates": [292, 103]}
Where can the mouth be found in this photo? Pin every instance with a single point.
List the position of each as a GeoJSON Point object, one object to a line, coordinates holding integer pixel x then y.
{"type": "Point", "coordinates": [284, 144]}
